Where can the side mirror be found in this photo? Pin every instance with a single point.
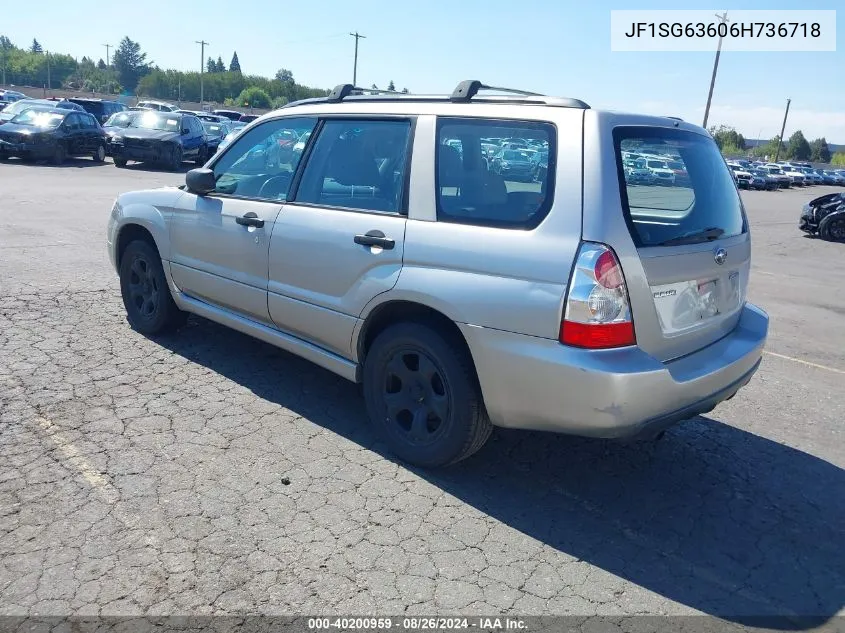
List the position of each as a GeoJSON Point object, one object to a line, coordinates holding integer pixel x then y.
{"type": "Point", "coordinates": [200, 181]}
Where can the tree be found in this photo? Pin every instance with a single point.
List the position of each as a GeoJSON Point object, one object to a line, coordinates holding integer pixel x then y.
{"type": "Point", "coordinates": [130, 63]}
{"type": "Point", "coordinates": [391, 87]}
{"type": "Point", "coordinates": [255, 97]}
{"type": "Point", "coordinates": [101, 64]}
{"type": "Point", "coordinates": [36, 47]}
{"type": "Point", "coordinates": [235, 64]}
{"type": "Point", "coordinates": [221, 67]}
{"type": "Point", "coordinates": [819, 151]}
{"type": "Point", "coordinates": [404, 91]}
{"type": "Point", "coordinates": [284, 75]}
{"type": "Point", "coordinates": [6, 43]}
{"type": "Point", "coordinates": [374, 87]}
{"type": "Point", "coordinates": [210, 66]}
{"type": "Point", "coordinates": [798, 147]}
{"type": "Point", "coordinates": [726, 136]}
{"type": "Point", "coordinates": [278, 102]}
{"type": "Point", "coordinates": [838, 159]}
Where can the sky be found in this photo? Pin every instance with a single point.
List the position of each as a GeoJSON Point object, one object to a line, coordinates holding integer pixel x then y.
{"type": "Point", "coordinates": [554, 47]}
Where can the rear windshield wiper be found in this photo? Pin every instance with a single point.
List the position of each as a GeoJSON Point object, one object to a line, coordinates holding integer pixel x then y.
{"type": "Point", "coordinates": [694, 237]}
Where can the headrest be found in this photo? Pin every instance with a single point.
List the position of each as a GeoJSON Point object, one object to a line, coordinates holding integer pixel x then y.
{"type": "Point", "coordinates": [450, 166]}
{"type": "Point", "coordinates": [351, 163]}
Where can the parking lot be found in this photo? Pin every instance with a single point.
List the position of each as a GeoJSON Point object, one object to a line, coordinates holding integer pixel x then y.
{"type": "Point", "coordinates": [210, 473]}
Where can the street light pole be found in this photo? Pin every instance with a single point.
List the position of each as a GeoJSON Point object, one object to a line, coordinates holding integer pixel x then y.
{"type": "Point", "coordinates": [357, 37]}
{"type": "Point", "coordinates": [782, 129]}
{"type": "Point", "coordinates": [723, 19]}
{"type": "Point", "coordinates": [202, 44]}
{"type": "Point", "coordinates": [108, 46]}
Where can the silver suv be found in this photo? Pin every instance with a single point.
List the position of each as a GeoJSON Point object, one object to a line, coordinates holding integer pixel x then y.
{"type": "Point", "coordinates": [464, 287]}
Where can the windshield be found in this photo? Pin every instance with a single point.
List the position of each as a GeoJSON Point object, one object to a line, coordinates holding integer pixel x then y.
{"type": "Point", "coordinates": [214, 129]}
{"type": "Point", "coordinates": [20, 106]}
{"type": "Point", "coordinates": [514, 156]}
{"type": "Point", "coordinates": [120, 119]}
{"type": "Point", "coordinates": [39, 118]}
{"type": "Point", "coordinates": [705, 198]}
{"type": "Point", "coordinates": [156, 121]}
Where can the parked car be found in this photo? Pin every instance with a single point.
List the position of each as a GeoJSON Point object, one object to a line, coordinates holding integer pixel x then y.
{"type": "Point", "coordinates": [769, 181]}
{"type": "Point", "coordinates": [584, 307]}
{"type": "Point", "coordinates": [12, 110]}
{"type": "Point", "coordinates": [742, 177]}
{"type": "Point", "coordinates": [10, 96]}
{"type": "Point", "coordinates": [116, 124]}
{"type": "Point", "coordinates": [215, 132]}
{"type": "Point", "coordinates": [248, 118]}
{"type": "Point", "coordinates": [513, 163]}
{"type": "Point", "coordinates": [229, 114]}
{"type": "Point", "coordinates": [784, 181]}
{"type": "Point", "coordinates": [661, 172]}
{"type": "Point", "coordinates": [836, 178]}
{"type": "Point", "coordinates": [164, 138]}
{"type": "Point", "coordinates": [825, 217]}
{"type": "Point", "coordinates": [161, 106]}
{"type": "Point", "coordinates": [798, 177]}
{"type": "Point", "coordinates": [101, 109]}
{"type": "Point", "coordinates": [40, 133]}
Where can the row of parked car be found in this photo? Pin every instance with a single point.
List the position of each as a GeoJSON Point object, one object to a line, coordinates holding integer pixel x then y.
{"type": "Point", "coordinates": [150, 132]}
{"type": "Point", "coordinates": [770, 176]}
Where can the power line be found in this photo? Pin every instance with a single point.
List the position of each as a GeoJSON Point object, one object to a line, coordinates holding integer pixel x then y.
{"type": "Point", "coordinates": [202, 44]}
{"type": "Point", "coordinates": [724, 20]}
{"type": "Point", "coordinates": [357, 37]}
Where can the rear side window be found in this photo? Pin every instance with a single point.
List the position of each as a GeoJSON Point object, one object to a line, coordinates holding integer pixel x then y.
{"type": "Point", "coordinates": [676, 188]}
{"type": "Point", "coordinates": [494, 172]}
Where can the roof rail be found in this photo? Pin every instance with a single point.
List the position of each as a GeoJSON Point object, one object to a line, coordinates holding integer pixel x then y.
{"type": "Point", "coordinates": [466, 90]}
{"type": "Point", "coordinates": [340, 92]}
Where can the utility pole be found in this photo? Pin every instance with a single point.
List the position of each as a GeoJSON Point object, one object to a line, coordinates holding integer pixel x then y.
{"type": "Point", "coordinates": [47, 54]}
{"type": "Point", "coordinates": [108, 46]}
{"type": "Point", "coordinates": [357, 37]}
{"type": "Point", "coordinates": [202, 44]}
{"type": "Point", "coordinates": [783, 127]}
{"type": "Point", "coordinates": [723, 19]}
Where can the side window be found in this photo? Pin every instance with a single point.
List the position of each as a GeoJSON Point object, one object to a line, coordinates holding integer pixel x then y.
{"type": "Point", "coordinates": [494, 172]}
{"type": "Point", "coordinates": [88, 122]}
{"type": "Point", "coordinates": [358, 165]}
{"type": "Point", "coordinates": [72, 123]}
{"type": "Point", "coordinates": [262, 162]}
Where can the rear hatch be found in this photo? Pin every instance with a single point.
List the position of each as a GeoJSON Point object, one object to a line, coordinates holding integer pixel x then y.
{"type": "Point", "coordinates": [692, 241]}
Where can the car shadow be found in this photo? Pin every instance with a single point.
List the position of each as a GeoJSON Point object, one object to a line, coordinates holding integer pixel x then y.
{"type": "Point", "coordinates": [77, 162]}
{"type": "Point", "coordinates": [713, 517]}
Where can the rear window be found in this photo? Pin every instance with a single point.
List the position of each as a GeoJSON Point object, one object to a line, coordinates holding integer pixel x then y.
{"type": "Point", "coordinates": [698, 202]}
{"type": "Point", "coordinates": [481, 180]}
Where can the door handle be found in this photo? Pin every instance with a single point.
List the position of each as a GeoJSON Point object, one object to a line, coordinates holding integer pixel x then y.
{"type": "Point", "coordinates": [375, 238]}
{"type": "Point", "coordinates": [250, 219]}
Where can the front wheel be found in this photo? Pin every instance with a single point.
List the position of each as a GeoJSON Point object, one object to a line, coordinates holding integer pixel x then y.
{"type": "Point", "coordinates": [422, 396]}
{"type": "Point", "coordinates": [99, 155]}
{"type": "Point", "coordinates": [119, 162]}
{"type": "Point", "coordinates": [150, 308]}
{"type": "Point", "coordinates": [833, 230]}
{"type": "Point", "coordinates": [202, 157]}
{"type": "Point", "coordinates": [59, 154]}
{"type": "Point", "coordinates": [176, 158]}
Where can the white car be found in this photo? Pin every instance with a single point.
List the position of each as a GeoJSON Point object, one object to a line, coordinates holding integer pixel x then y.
{"type": "Point", "coordinates": [798, 177]}
{"type": "Point", "coordinates": [157, 105]}
{"type": "Point", "coordinates": [662, 174]}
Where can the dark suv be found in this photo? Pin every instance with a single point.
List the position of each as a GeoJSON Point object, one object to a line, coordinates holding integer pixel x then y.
{"type": "Point", "coordinates": [101, 109]}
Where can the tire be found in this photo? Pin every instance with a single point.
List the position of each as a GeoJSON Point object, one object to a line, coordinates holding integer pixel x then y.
{"type": "Point", "coordinates": [119, 162]}
{"type": "Point", "coordinates": [202, 157]}
{"type": "Point", "coordinates": [439, 383]}
{"type": "Point", "coordinates": [833, 230]}
{"type": "Point", "coordinates": [99, 154]}
{"type": "Point", "coordinates": [59, 155]}
{"type": "Point", "coordinates": [175, 162]}
{"type": "Point", "coordinates": [150, 308]}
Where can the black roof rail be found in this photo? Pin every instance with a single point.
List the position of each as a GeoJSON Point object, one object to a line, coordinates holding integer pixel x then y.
{"type": "Point", "coordinates": [466, 90]}
{"type": "Point", "coordinates": [676, 118]}
{"type": "Point", "coordinates": [340, 92]}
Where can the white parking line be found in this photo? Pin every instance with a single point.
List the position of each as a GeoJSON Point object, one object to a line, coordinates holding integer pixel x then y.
{"type": "Point", "coordinates": [805, 362]}
{"type": "Point", "coordinates": [96, 480]}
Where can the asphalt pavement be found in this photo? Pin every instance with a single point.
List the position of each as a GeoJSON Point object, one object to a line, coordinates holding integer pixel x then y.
{"type": "Point", "coordinates": [209, 473]}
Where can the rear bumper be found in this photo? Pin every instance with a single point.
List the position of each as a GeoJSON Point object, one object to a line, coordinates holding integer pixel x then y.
{"type": "Point", "coordinates": [539, 384]}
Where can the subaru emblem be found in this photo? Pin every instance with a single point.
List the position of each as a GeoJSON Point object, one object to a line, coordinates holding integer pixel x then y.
{"type": "Point", "coordinates": [720, 256]}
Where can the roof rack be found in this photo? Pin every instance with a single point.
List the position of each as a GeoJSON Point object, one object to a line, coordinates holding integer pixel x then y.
{"type": "Point", "coordinates": [465, 92]}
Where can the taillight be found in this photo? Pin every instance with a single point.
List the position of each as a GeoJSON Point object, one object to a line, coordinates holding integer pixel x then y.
{"type": "Point", "coordinates": [597, 313]}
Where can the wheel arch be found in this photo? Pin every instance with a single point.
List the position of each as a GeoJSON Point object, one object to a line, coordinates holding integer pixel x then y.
{"type": "Point", "coordinates": [839, 214]}
{"type": "Point", "coordinates": [393, 311]}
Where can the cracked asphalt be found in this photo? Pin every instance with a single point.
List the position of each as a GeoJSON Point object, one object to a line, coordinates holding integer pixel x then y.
{"type": "Point", "coordinates": [209, 473]}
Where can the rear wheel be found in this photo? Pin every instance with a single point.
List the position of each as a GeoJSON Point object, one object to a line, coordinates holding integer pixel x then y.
{"type": "Point", "coordinates": [150, 308]}
{"type": "Point", "coordinates": [422, 396]}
